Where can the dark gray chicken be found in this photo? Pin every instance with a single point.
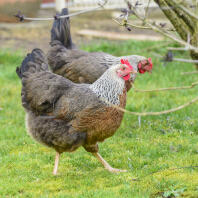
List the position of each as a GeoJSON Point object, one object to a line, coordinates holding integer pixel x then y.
{"type": "Point", "coordinates": [80, 66]}
{"type": "Point", "coordinates": [65, 115]}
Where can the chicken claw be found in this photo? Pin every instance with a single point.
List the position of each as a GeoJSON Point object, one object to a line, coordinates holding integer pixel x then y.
{"type": "Point", "coordinates": [106, 165]}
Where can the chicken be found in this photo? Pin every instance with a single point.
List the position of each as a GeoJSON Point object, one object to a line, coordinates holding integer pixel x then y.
{"type": "Point", "coordinates": [80, 66]}
{"type": "Point", "coordinates": [64, 115]}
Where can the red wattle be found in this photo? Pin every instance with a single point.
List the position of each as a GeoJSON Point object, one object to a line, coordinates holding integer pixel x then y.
{"type": "Point", "coordinates": [127, 77]}
{"type": "Point", "coordinates": [141, 71]}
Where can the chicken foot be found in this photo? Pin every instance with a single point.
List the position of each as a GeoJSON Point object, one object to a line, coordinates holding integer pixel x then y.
{"type": "Point", "coordinates": [56, 163]}
{"type": "Point", "coordinates": [106, 165]}
{"type": "Point", "coordinates": [97, 155]}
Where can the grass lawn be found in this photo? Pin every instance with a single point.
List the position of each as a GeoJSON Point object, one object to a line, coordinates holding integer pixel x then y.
{"type": "Point", "coordinates": [160, 144]}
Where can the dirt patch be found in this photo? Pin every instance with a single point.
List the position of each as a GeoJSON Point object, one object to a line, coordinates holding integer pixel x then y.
{"type": "Point", "coordinates": [26, 36]}
{"type": "Point", "coordinates": [116, 35]}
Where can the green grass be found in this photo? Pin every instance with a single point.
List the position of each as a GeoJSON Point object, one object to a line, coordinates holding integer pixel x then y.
{"type": "Point", "coordinates": [162, 142]}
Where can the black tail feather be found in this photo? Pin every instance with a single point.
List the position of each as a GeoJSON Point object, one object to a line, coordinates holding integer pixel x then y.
{"type": "Point", "coordinates": [61, 30]}
{"type": "Point", "coordinates": [34, 61]}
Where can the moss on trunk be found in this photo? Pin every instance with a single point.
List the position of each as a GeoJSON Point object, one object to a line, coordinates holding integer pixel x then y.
{"type": "Point", "coordinates": [182, 22]}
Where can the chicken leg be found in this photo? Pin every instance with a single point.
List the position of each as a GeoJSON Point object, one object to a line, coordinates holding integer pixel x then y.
{"type": "Point", "coordinates": [106, 165]}
{"type": "Point", "coordinates": [56, 163]}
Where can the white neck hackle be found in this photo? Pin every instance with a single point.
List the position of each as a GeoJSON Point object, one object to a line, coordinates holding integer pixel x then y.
{"type": "Point", "coordinates": [133, 60]}
{"type": "Point", "coordinates": [109, 86]}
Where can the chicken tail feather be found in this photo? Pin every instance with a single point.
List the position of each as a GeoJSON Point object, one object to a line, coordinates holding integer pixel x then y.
{"type": "Point", "coordinates": [61, 30]}
{"type": "Point", "coordinates": [33, 62]}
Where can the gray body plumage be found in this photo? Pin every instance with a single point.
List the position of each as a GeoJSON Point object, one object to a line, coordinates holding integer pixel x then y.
{"type": "Point", "coordinates": [56, 107]}
{"type": "Point", "coordinates": [77, 65]}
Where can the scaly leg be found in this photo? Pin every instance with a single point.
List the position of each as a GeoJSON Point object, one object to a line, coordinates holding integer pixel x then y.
{"type": "Point", "coordinates": [106, 165]}
{"type": "Point", "coordinates": [56, 164]}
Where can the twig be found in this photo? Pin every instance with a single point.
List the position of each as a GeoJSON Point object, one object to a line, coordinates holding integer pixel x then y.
{"type": "Point", "coordinates": [137, 113]}
{"type": "Point", "coordinates": [176, 59]}
{"type": "Point", "coordinates": [185, 60]}
{"type": "Point", "coordinates": [187, 73]}
{"type": "Point", "coordinates": [22, 17]}
{"type": "Point", "coordinates": [157, 29]}
{"type": "Point", "coordinates": [169, 88]}
{"type": "Point", "coordinates": [132, 25]}
{"type": "Point", "coordinates": [146, 10]}
{"type": "Point", "coordinates": [160, 30]}
{"type": "Point", "coordinates": [155, 113]}
{"type": "Point", "coordinates": [186, 48]}
{"type": "Point", "coordinates": [157, 46]}
{"type": "Point", "coordinates": [141, 113]}
{"type": "Point", "coordinates": [140, 27]}
{"type": "Point", "coordinates": [188, 12]}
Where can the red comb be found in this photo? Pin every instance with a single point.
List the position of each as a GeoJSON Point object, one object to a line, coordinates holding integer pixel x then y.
{"type": "Point", "coordinates": [126, 62]}
{"type": "Point", "coordinates": [150, 64]}
{"type": "Point", "coordinates": [146, 67]}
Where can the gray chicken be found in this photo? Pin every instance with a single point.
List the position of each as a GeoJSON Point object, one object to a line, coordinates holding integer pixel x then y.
{"type": "Point", "coordinates": [65, 115]}
{"type": "Point", "coordinates": [80, 66]}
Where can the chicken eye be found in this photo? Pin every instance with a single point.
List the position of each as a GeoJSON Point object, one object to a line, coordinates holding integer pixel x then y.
{"type": "Point", "coordinates": [123, 68]}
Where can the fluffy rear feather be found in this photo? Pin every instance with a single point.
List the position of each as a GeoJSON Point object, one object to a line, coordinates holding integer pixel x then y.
{"type": "Point", "coordinates": [35, 61]}
{"type": "Point", "coordinates": [61, 30]}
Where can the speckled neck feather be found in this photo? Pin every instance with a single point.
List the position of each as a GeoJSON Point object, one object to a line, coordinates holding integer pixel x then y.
{"type": "Point", "coordinates": [109, 86]}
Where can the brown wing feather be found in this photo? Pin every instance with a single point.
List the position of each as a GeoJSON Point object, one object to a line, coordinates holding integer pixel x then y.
{"type": "Point", "coordinates": [82, 70]}
{"type": "Point", "coordinates": [99, 121]}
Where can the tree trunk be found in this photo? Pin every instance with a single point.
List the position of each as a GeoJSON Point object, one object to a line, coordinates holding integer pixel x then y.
{"type": "Point", "coordinates": [182, 22]}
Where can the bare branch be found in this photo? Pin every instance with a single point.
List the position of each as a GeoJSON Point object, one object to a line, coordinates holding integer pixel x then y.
{"type": "Point", "coordinates": [180, 20]}
{"type": "Point", "coordinates": [132, 25]}
{"type": "Point", "coordinates": [182, 42]}
{"type": "Point", "coordinates": [157, 46]}
{"type": "Point", "coordinates": [190, 13]}
{"type": "Point", "coordinates": [155, 113]}
{"type": "Point", "coordinates": [22, 17]}
{"type": "Point", "coordinates": [146, 11]}
{"type": "Point", "coordinates": [169, 88]}
{"type": "Point", "coordinates": [187, 73]}
{"type": "Point", "coordinates": [139, 113]}
{"type": "Point", "coordinates": [186, 48]}
{"type": "Point", "coordinates": [175, 59]}
{"type": "Point", "coordinates": [154, 27]}
{"type": "Point", "coordinates": [185, 60]}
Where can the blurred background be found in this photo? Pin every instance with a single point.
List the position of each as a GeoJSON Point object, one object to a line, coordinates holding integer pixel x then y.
{"type": "Point", "coordinates": [154, 150]}
{"type": "Point", "coordinates": [86, 28]}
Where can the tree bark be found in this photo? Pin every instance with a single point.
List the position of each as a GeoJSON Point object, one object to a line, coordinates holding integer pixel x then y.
{"type": "Point", "coordinates": [182, 22]}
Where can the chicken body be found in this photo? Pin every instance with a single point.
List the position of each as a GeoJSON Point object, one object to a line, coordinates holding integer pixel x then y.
{"type": "Point", "coordinates": [64, 115]}
{"type": "Point", "coordinates": [77, 65]}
